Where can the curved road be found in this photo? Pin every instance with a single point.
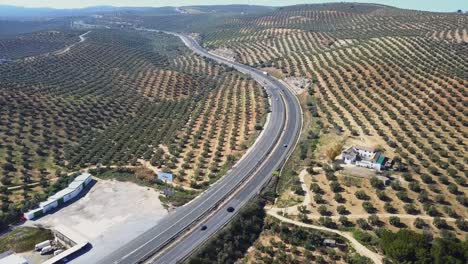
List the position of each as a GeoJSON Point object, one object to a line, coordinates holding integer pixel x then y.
{"type": "Point", "coordinates": [178, 234]}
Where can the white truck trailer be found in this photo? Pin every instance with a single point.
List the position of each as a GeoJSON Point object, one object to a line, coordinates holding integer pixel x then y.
{"type": "Point", "coordinates": [46, 250]}
{"type": "Point", "coordinates": [42, 245]}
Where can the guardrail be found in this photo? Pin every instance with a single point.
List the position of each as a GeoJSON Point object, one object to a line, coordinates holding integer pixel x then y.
{"type": "Point", "coordinates": [229, 192]}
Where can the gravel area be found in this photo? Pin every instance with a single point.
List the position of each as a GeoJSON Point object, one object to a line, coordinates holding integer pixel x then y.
{"type": "Point", "coordinates": [110, 214]}
{"type": "Point", "coordinates": [226, 53]}
{"type": "Point", "coordinates": [298, 84]}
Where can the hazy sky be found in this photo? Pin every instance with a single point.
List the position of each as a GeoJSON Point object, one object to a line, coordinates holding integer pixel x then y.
{"type": "Point", "coordinates": [432, 5]}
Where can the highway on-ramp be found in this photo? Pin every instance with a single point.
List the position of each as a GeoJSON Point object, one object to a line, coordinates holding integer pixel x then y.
{"type": "Point", "coordinates": [179, 233]}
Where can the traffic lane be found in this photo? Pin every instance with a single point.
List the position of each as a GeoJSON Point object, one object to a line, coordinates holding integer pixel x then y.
{"type": "Point", "coordinates": [215, 218]}
{"type": "Point", "coordinates": [221, 217]}
{"type": "Point", "coordinates": [137, 256]}
{"type": "Point", "coordinates": [165, 229]}
{"type": "Point", "coordinates": [215, 222]}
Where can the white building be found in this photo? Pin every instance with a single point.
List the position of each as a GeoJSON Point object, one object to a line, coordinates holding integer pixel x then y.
{"type": "Point", "coordinates": [48, 205]}
{"type": "Point", "coordinates": [364, 157]}
{"type": "Point", "coordinates": [61, 197]}
{"type": "Point", "coordinates": [364, 152]}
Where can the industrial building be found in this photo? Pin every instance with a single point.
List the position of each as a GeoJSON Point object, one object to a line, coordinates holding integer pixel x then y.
{"type": "Point", "coordinates": [73, 241]}
{"type": "Point", "coordinates": [61, 197]}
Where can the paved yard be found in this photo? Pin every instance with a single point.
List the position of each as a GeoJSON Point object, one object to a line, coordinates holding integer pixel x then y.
{"type": "Point", "coordinates": [110, 214]}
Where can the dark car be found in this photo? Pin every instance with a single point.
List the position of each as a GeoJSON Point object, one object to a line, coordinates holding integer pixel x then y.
{"type": "Point", "coordinates": [203, 228]}
{"type": "Point", "coordinates": [285, 145]}
{"type": "Point", "coordinates": [230, 209]}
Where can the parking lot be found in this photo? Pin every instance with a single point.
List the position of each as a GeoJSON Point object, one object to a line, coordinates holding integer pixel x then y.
{"type": "Point", "coordinates": [110, 214]}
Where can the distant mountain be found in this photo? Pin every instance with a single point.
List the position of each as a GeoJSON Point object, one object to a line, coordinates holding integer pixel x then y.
{"type": "Point", "coordinates": [9, 12]}
{"type": "Point", "coordinates": [229, 8]}
{"type": "Point", "coordinates": [17, 12]}
{"type": "Point", "coordinates": [12, 27]}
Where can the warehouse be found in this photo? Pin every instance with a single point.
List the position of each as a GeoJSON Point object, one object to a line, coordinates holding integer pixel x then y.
{"type": "Point", "coordinates": [61, 197]}
{"type": "Point", "coordinates": [85, 178]}
{"type": "Point", "coordinates": [48, 205]}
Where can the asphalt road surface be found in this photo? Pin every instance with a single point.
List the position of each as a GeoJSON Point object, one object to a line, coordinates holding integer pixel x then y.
{"type": "Point", "coordinates": [178, 234]}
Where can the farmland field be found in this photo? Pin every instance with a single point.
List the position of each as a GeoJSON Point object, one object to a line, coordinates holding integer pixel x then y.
{"type": "Point", "coordinates": [127, 103]}
{"type": "Point", "coordinates": [370, 75]}
{"type": "Point", "coordinates": [379, 76]}
{"type": "Point", "coordinates": [118, 99]}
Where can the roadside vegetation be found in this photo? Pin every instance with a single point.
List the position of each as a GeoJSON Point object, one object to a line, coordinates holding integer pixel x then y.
{"type": "Point", "coordinates": [170, 195]}
{"type": "Point", "coordinates": [411, 247]}
{"type": "Point", "coordinates": [24, 239]}
{"type": "Point", "coordinates": [232, 242]}
{"type": "Point", "coordinates": [286, 243]}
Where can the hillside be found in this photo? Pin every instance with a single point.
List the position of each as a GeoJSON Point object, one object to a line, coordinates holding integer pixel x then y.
{"type": "Point", "coordinates": [370, 75]}
{"type": "Point", "coordinates": [128, 103]}
{"type": "Point", "coordinates": [119, 98]}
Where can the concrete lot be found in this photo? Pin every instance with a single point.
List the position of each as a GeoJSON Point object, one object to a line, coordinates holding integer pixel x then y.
{"type": "Point", "coordinates": [109, 215]}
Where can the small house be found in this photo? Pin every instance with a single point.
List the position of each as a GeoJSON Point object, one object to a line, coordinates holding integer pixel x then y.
{"type": "Point", "coordinates": [165, 177]}
{"type": "Point", "coordinates": [364, 157]}
{"type": "Point", "coordinates": [365, 152]}
{"type": "Point", "coordinates": [349, 156]}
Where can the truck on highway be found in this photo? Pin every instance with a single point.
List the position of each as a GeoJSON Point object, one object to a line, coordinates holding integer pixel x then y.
{"type": "Point", "coordinates": [42, 245]}
{"type": "Point", "coordinates": [46, 250]}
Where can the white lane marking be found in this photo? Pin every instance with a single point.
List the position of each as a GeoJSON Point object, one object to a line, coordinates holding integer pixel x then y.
{"type": "Point", "coordinates": [180, 219]}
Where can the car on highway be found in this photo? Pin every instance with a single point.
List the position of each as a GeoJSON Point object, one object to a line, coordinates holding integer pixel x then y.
{"type": "Point", "coordinates": [230, 209]}
{"type": "Point", "coordinates": [203, 227]}
{"type": "Point", "coordinates": [285, 145]}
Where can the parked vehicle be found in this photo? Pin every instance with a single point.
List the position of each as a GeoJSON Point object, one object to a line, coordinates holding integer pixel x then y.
{"type": "Point", "coordinates": [42, 245]}
{"type": "Point", "coordinates": [46, 250]}
{"type": "Point", "coordinates": [56, 252]}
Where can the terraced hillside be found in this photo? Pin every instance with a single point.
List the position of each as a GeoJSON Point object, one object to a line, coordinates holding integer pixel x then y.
{"type": "Point", "coordinates": [120, 98]}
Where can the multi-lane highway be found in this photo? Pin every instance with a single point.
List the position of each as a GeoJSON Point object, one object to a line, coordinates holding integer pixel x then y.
{"type": "Point", "coordinates": [178, 234]}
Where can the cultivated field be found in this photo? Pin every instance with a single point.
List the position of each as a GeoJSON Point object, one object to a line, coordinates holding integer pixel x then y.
{"type": "Point", "coordinates": [370, 75]}
{"type": "Point", "coordinates": [120, 98]}
{"type": "Point", "coordinates": [390, 78]}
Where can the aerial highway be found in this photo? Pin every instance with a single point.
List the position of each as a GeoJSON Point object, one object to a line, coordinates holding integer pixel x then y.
{"type": "Point", "coordinates": [180, 233]}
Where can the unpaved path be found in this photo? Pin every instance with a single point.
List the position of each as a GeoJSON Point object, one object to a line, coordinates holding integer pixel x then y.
{"type": "Point", "coordinates": [66, 49]}
{"type": "Point", "coordinates": [360, 248]}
